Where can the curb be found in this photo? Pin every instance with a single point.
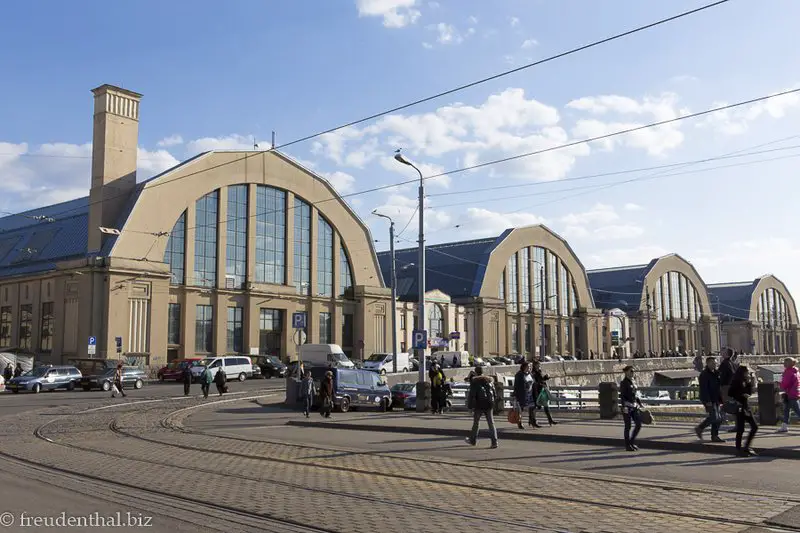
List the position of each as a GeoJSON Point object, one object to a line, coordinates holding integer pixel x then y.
{"type": "Point", "coordinates": [696, 447]}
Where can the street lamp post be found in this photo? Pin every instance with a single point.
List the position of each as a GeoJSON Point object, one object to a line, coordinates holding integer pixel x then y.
{"type": "Point", "coordinates": [649, 324]}
{"type": "Point", "coordinates": [394, 290]}
{"type": "Point", "coordinates": [541, 289]}
{"type": "Point", "coordinates": [421, 405]}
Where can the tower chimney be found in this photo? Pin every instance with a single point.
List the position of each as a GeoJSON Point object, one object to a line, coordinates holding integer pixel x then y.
{"type": "Point", "coordinates": [114, 146]}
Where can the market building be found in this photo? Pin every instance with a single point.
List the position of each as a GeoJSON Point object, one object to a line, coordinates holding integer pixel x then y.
{"type": "Point", "coordinates": [666, 303]}
{"type": "Point", "coordinates": [213, 256]}
{"type": "Point", "coordinates": [505, 285]}
{"type": "Point", "coordinates": [758, 316]}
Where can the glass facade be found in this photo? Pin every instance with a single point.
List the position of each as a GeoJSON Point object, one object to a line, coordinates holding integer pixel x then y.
{"type": "Point", "coordinates": [236, 242]}
{"type": "Point", "coordinates": [501, 289]}
{"type": "Point", "coordinates": [175, 254]}
{"type": "Point", "coordinates": [552, 281]}
{"type": "Point", "coordinates": [270, 326]}
{"type": "Point", "coordinates": [174, 324]}
{"type": "Point", "coordinates": [675, 298]}
{"type": "Point", "coordinates": [325, 332]}
{"type": "Point", "coordinates": [563, 290]}
{"type": "Point", "coordinates": [345, 273]}
{"type": "Point", "coordinates": [435, 322]}
{"type": "Point", "coordinates": [25, 326]}
{"type": "Point", "coordinates": [324, 258]}
{"type": "Point", "coordinates": [204, 329]}
{"type": "Point", "coordinates": [302, 247]}
{"type": "Point", "coordinates": [5, 326]}
{"type": "Point", "coordinates": [48, 323]}
{"type": "Point", "coordinates": [235, 329]}
{"type": "Point", "coordinates": [205, 240]}
{"type": "Point", "coordinates": [512, 284]}
{"type": "Point", "coordinates": [270, 235]}
{"type": "Point", "coordinates": [538, 288]}
{"type": "Point", "coordinates": [525, 265]}
{"type": "Point", "coordinates": [515, 337]}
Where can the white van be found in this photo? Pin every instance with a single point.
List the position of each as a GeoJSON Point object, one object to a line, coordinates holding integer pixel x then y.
{"type": "Point", "coordinates": [235, 366]}
{"type": "Point", "coordinates": [324, 355]}
{"type": "Point", "coordinates": [382, 362]}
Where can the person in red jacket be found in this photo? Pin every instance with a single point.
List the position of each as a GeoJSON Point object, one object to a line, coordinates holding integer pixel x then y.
{"type": "Point", "coordinates": [790, 385]}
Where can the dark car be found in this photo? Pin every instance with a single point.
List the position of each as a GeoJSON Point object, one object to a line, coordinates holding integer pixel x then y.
{"type": "Point", "coordinates": [174, 370]}
{"type": "Point", "coordinates": [354, 388]}
{"type": "Point", "coordinates": [131, 377]}
{"type": "Point", "coordinates": [270, 366]}
{"type": "Point", "coordinates": [404, 395]}
{"type": "Point", "coordinates": [46, 378]}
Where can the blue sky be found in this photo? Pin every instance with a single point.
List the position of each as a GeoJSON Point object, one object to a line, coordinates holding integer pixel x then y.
{"type": "Point", "coordinates": [215, 76]}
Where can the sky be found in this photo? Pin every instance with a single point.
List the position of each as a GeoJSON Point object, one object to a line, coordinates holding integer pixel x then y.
{"type": "Point", "coordinates": [217, 76]}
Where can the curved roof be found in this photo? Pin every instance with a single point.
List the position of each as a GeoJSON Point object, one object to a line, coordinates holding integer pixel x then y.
{"type": "Point", "coordinates": [739, 300]}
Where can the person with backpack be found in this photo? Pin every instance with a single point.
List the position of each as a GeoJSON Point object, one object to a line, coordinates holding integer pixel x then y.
{"type": "Point", "coordinates": [220, 379]}
{"type": "Point", "coordinates": [480, 399]}
{"type": "Point", "coordinates": [205, 381]}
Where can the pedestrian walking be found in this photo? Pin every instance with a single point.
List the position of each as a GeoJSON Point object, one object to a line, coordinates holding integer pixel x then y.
{"type": "Point", "coordinates": [187, 379]}
{"type": "Point", "coordinates": [8, 372]}
{"type": "Point", "coordinates": [205, 381]}
{"type": "Point", "coordinates": [307, 391]}
{"type": "Point", "coordinates": [523, 391]}
{"type": "Point", "coordinates": [742, 387]}
{"type": "Point", "coordinates": [698, 363]}
{"type": "Point", "coordinates": [326, 394]}
{"type": "Point", "coordinates": [541, 396]}
{"type": "Point", "coordinates": [631, 405]}
{"type": "Point", "coordinates": [711, 398]}
{"type": "Point", "coordinates": [18, 370]}
{"type": "Point", "coordinates": [220, 380]}
{"type": "Point", "coordinates": [480, 399]}
{"type": "Point", "coordinates": [437, 377]}
{"type": "Point", "coordinates": [790, 385]}
{"type": "Point", "coordinates": [726, 370]}
{"type": "Point", "coordinates": [117, 385]}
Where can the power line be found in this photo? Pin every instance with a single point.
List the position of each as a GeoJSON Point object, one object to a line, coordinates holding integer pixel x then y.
{"type": "Point", "coordinates": [458, 89]}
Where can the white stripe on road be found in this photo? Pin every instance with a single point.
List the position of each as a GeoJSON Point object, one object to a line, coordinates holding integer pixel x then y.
{"type": "Point", "coordinates": [172, 398]}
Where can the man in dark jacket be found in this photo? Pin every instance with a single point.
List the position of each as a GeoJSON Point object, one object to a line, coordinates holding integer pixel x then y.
{"type": "Point", "coordinates": [480, 399]}
{"type": "Point", "coordinates": [726, 370]}
{"type": "Point", "coordinates": [711, 397]}
{"type": "Point", "coordinates": [186, 374]}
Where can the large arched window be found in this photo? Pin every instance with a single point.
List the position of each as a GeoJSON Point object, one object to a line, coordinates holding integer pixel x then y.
{"type": "Point", "coordinates": [205, 240]}
{"type": "Point", "coordinates": [676, 298]}
{"type": "Point", "coordinates": [175, 254]}
{"type": "Point", "coordinates": [435, 322]}
{"type": "Point", "coordinates": [773, 310]}
{"type": "Point", "coordinates": [345, 273]}
{"type": "Point", "coordinates": [302, 246]}
{"type": "Point", "coordinates": [551, 282]}
{"type": "Point", "coordinates": [324, 257]}
{"type": "Point", "coordinates": [270, 235]}
{"type": "Point", "coordinates": [236, 242]}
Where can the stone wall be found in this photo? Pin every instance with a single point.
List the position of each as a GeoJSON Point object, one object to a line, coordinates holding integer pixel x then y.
{"type": "Point", "coordinates": [591, 373]}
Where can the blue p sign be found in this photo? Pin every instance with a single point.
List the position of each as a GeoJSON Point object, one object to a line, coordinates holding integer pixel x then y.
{"type": "Point", "coordinates": [298, 320]}
{"type": "Point", "coordinates": [420, 339]}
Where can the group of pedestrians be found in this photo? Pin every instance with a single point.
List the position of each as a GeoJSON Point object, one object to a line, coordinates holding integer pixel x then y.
{"type": "Point", "coordinates": [220, 379]}
{"type": "Point", "coordinates": [531, 393]}
{"type": "Point", "coordinates": [10, 372]}
{"type": "Point", "coordinates": [308, 392]}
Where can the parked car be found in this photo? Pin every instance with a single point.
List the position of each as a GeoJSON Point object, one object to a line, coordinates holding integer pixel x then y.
{"type": "Point", "coordinates": [355, 388]}
{"type": "Point", "coordinates": [503, 360]}
{"type": "Point", "coordinates": [174, 370]}
{"type": "Point", "coordinates": [270, 366]}
{"type": "Point", "coordinates": [238, 367]}
{"type": "Point", "coordinates": [131, 377]}
{"type": "Point", "coordinates": [404, 396]}
{"type": "Point", "coordinates": [47, 378]}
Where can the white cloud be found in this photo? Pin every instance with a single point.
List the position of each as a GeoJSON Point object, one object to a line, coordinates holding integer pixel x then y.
{"type": "Point", "coordinates": [514, 21]}
{"type": "Point", "coordinates": [172, 140]}
{"type": "Point", "coordinates": [427, 45]}
{"type": "Point", "coordinates": [624, 256]}
{"type": "Point", "coordinates": [403, 209]}
{"type": "Point", "coordinates": [395, 13]}
{"type": "Point", "coordinates": [230, 142]}
{"type": "Point", "coordinates": [487, 223]}
{"type": "Point", "coordinates": [473, 19]}
{"type": "Point", "coordinates": [600, 223]}
{"type": "Point", "coordinates": [599, 214]}
{"type": "Point", "coordinates": [446, 33]}
{"type": "Point", "coordinates": [155, 162]}
{"type": "Point", "coordinates": [529, 43]}
{"type": "Point", "coordinates": [737, 121]}
{"type": "Point", "coordinates": [427, 170]}
{"type": "Point", "coordinates": [632, 207]}
{"type": "Point", "coordinates": [684, 78]}
{"type": "Point", "coordinates": [341, 181]}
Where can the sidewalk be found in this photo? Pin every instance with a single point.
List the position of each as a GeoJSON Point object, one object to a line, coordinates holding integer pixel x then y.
{"type": "Point", "coordinates": [677, 436]}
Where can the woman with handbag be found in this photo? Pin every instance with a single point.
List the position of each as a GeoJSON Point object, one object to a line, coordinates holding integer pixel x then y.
{"type": "Point", "coordinates": [523, 391]}
{"type": "Point", "coordinates": [541, 396]}
{"type": "Point", "coordinates": [631, 405]}
{"type": "Point", "coordinates": [742, 387]}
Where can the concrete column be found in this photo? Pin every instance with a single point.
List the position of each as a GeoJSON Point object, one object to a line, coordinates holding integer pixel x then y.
{"type": "Point", "coordinates": [220, 323]}
{"type": "Point", "coordinates": [59, 317]}
{"type": "Point", "coordinates": [191, 222]}
{"type": "Point", "coordinates": [337, 264]}
{"type": "Point", "coordinates": [159, 302]}
{"type": "Point", "coordinates": [188, 321]}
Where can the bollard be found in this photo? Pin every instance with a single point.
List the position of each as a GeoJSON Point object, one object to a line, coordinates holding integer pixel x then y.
{"type": "Point", "coordinates": [770, 406]}
{"type": "Point", "coordinates": [292, 392]}
{"type": "Point", "coordinates": [608, 398]}
{"type": "Point", "coordinates": [423, 396]}
{"type": "Point", "coordinates": [499, 399]}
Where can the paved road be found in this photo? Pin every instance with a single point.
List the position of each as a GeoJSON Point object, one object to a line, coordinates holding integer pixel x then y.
{"type": "Point", "coordinates": [260, 483]}
{"type": "Point", "coordinates": [11, 403]}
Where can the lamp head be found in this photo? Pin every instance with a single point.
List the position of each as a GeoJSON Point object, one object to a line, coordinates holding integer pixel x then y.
{"type": "Point", "coordinates": [399, 158]}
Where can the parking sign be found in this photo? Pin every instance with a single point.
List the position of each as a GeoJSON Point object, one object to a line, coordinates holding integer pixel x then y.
{"type": "Point", "coordinates": [420, 339]}
{"type": "Point", "coordinates": [298, 320]}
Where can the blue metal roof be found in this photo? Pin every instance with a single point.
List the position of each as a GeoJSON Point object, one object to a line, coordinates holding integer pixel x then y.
{"type": "Point", "coordinates": [619, 288]}
{"type": "Point", "coordinates": [733, 299]}
{"type": "Point", "coordinates": [455, 268]}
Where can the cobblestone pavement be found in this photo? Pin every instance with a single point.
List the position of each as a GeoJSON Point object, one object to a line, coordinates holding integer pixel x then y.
{"type": "Point", "coordinates": [348, 490]}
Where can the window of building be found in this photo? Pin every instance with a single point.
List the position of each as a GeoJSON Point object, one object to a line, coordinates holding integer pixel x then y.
{"type": "Point", "coordinates": [403, 321]}
{"type": "Point", "coordinates": [515, 337]}
{"type": "Point", "coordinates": [175, 254]}
{"type": "Point", "coordinates": [527, 337]}
{"type": "Point", "coordinates": [563, 295]}
{"type": "Point", "coordinates": [270, 235]}
{"type": "Point", "coordinates": [675, 293]}
{"type": "Point", "coordinates": [501, 289]}
{"type": "Point", "coordinates": [5, 326]}
{"type": "Point", "coordinates": [205, 240]}
{"type": "Point", "coordinates": [552, 281]}
{"type": "Point", "coordinates": [573, 295]}
{"type": "Point", "coordinates": [345, 273]}
{"type": "Point", "coordinates": [684, 297]}
{"type": "Point", "coordinates": [25, 323]}
{"type": "Point", "coordinates": [325, 328]}
{"type": "Point", "coordinates": [511, 298]}
{"type": "Point", "coordinates": [302, 246]}
{"type": "Point", "coordinates": [659, 310]}
{"type": "Point", "coordinates": [236, 229]}
{"type": "Point", "coordinates": [435, 322]}
{"type": "Point", "coordinates": [48, 323]}
{"type": "Point", "coordinates": [270, 325]}
{"type": "Point", "coordinates": [174, 324]}
{"type": "Point", "coordinates": [538, 287]}
{"type": "Point", "coordinates": [324, 258]}
{"type": "Point", "coordinates": [204, 329]}
{"type": "Point", "coordinates": [235, 329]}
{"type": "Point", "coordinates": [348, 333]}
{"type": "Point", "coordinates": [525, 266]}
